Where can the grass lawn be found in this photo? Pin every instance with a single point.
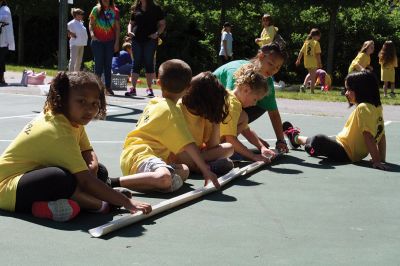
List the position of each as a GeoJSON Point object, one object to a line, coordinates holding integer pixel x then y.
{"type": "Point", "coordinates": [331, 96]}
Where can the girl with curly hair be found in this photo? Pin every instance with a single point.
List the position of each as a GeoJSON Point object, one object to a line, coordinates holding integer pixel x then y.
{"type": "Point", "coordinates": [250, 87]}
{"type": "Point", "coordinates": [50, 169]}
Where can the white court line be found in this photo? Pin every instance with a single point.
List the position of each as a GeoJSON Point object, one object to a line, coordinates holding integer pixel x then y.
{"type": "Point", "coordinates": [24, 95]}
{"type": "Point", "coordinates": [387, 123]}
{"type": "Point", "coordinates": [18, 116]}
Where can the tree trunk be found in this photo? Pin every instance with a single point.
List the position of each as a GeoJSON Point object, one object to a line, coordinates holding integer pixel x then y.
{"type": "Point", "coordinates": [21, 22]}
{"type": "Point", "coordinates": [331, 39]}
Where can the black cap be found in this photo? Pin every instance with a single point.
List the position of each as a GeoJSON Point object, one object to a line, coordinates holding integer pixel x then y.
{"type": "Point", "coordinates": [227, 24]}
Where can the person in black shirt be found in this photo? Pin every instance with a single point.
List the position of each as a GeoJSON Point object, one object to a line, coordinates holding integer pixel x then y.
{"type": "Point", "coordinates": [145, 26]}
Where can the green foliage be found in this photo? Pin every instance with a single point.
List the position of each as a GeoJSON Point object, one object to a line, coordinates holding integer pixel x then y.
{"type": "Point", "coordinates": [194, 29]}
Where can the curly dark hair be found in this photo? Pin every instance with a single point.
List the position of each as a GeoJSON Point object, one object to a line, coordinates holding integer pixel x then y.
{"type": "Point", "coordinates": [365, 86]}
{"type": "Point", "coordinates": [207, 98]}
{"type": "Point", "coordinates": [57, 99]}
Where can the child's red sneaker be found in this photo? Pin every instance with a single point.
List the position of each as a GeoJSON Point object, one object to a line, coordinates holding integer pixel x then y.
{"type": "Point", "coordinates": [61, 210]}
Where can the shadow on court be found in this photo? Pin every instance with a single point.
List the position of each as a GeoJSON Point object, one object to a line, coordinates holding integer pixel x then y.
{"type": "Point", "coordinates": [123, 117]}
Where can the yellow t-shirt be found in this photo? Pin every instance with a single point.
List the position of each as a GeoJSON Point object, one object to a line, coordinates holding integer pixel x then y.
{"type": "Point", "coordinates": [388, 71]}
{"type": "Point", "coordinates": [267, 35]}
{"type": "Point", "coordinates": [229, 126]}
{"type": "Point", "coordinates": [48, 140]}
{"type": "Point", "coordinates": [199, 127]}
{"type": "Point", "coordinates": [160, 130]}
{"type": "Point", "coordinates": [362, 59]}
{"type": "Point", "coordinates": [310, 50]}
{"type": "Point", "coordinates": [366, 117]}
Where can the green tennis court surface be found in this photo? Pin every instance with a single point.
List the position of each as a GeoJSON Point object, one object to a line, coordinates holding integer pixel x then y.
{"type": "Point", "coordinates": [297, 211]}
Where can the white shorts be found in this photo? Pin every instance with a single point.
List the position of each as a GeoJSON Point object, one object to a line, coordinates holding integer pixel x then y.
{"type": "Point", "coordinates": [153, 163]}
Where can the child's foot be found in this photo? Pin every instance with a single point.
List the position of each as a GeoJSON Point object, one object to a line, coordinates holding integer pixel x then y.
{"type": "Point", "coordinates": [61, 210]}
{"type": "Point", "coordinates": [221, 166]}
{"type": "Point", "coordinates": [291, 133]}
{"type": "Point", "coordinates": [385, 95]}
{"type": "Point", "coordinates": [150, 92]}
{"type": "Point", "coordinates": [131, 92]}
{"type": "Point", "coordinates": [392, 94]}
{"type": "Point", "coordinates": [302, 88]}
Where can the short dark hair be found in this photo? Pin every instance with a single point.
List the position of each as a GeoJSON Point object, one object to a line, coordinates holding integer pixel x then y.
{"type": "Point", "coordinates": [175, 76]}
{"type": "Point", "coordinates": [57, 99]}
{"type": "Point", "coordinates": [365, 86]}
{"type": "Point", "coordinates": [207, 98]}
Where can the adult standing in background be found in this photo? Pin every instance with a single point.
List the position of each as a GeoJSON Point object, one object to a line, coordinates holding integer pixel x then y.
{"type": "Point", "coordinates": [6, 37]}
{"type": "Point", "coordinates": [104, 27]}
{"type": "Point", "coordinates": [78, 39]}
{"type": "Point", "coordinates": [269, 31]}
{"type": "Point", "coordinates": [226, 51]}
{"type": "Point", "coordinates": [145, 26]}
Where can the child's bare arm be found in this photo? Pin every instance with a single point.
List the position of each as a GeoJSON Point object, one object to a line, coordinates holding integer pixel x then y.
{"type": "Point", "coordinates": [382, 148]}
{"type": "Point", "coordinates": [243, 150]}
{"type": "Point", "coordinates": [91, 161]}
{"type": "Point", "coordinates": [299, 58]}
{"type": "Point", "coordinates": [194, 153]}
{"type": "Point", "coordinates": [373, 151]}
{"type": "Point", "coordinates": [215, 137]}
{"type": "Point", "coordinates": [252, 137]}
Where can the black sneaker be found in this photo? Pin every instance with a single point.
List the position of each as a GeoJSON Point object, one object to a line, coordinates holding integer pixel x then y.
{"type": "Point", "coordinates": [291, 133]}
{"type": "Point", "coordinates": [392, 94]}
{"type": "Point", "coordinates": [221, 166]}
{"type": "Point", "coordinates": [131, 92]}
{"type": "Point", "coordinates": [149, 92]}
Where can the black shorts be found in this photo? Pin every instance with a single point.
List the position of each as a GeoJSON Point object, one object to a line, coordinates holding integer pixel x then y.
{"type": "Point", "coordinates": [322, 145]}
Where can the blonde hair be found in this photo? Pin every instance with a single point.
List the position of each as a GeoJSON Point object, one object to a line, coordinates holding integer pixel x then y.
{"type": "Point", "coordinates": [248, 74]}
{"type": "Point", "coordinates": [366, 45]}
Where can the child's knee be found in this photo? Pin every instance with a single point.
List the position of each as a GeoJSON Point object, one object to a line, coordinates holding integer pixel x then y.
{"type": "Point", "coordinates": [228, 149]}
{"type": "Point", "coordinates": [164, 178]}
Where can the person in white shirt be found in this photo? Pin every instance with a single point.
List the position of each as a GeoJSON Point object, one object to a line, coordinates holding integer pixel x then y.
{"type": "Point", "coordinates": [78, 39]}
{"type": "Point", "coordinates": [6, 38]}
{"type": "Point", "coordinates": [225, 52]}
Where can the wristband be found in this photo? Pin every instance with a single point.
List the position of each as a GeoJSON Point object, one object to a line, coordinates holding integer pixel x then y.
{"type": "Point", "coordinates": [280, 141]}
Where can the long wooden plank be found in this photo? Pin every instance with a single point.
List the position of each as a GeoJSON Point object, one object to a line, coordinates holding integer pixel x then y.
{"type": "Point", "coordinates": [173, 202]}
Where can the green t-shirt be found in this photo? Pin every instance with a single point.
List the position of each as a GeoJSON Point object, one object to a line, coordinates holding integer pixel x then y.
{"type": "Point", "coordinates": [225, 75]}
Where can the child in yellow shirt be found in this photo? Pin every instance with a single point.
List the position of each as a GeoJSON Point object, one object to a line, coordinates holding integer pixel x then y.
{"type": "Point", "coordinates": [388, 60]}
{"type": "Point", "coordinates": [160, 131]}
{"type": "Point", "coordinates": [363, 58]}
{"type": "Point", "coordinates": [311, 50]}
{"type": "Point", "coordinates": [250, 87]}
{"type": "Point", "coordinates": [363, 133]}
{"type": "Point", "coordinates": [204, 107]}
{"type": "Point", "coordinates": [50, 169]}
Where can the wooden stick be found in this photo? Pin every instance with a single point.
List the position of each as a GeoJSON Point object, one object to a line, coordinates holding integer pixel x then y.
{"type": "Point", "coordinates": [173, 202]}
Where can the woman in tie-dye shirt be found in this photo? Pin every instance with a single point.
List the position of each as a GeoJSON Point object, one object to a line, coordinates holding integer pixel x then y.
{"type": "Point", "coordinates": [104, 27]}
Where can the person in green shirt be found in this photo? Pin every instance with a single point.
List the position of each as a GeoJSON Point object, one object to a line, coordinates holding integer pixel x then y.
{"type": "Point", "coordinates": [268, 60]}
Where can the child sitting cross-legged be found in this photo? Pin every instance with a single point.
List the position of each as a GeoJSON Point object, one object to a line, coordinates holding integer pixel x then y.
{"type": "Point", "coordinates": [204, 107]}
{"type": "Point", "coordinates": [160, 131]}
